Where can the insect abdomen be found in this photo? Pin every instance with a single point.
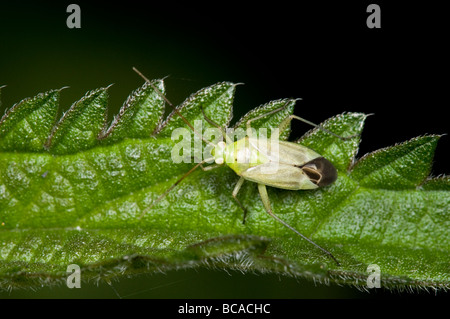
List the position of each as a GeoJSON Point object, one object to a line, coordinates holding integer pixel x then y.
{"type": "Point", "coordinates": [291, 166]}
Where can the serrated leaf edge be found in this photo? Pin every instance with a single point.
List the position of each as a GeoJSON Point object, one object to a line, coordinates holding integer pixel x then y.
{"type": "Point", "coordinates": [188, 101]}
{"type": "Point", "coordinates": [48, 144]}
{"type": "Point", "coordinates": [17, 105]}
{"type": "Point", "coordinates": [388, 148]}
{"type": "Point", "coordinates": [106, 132]}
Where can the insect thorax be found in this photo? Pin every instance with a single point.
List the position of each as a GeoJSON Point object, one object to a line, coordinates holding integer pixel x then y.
{"type": "Point", "coordinates": [245, 153]}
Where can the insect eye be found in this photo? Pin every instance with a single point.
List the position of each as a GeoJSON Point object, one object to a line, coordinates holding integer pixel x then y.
{"type": "Point", "coordinates": [320, 171]}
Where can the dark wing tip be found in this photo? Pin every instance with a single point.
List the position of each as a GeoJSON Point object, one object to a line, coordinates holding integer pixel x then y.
{"type": "Point", "coordinates": [320, 171]}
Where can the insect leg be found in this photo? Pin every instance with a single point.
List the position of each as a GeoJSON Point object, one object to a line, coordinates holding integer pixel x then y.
{"type": "Point", "coordinates": [249, 128]}
{"type": "Point", "coordinates": [288, 119]}
{"type": "Point", "coordinates": [207, 119]}
{"type": "Point", "coordinates": [207, 168]}
{"type": "Point", "coordinates": [175, 110]}
{"type": "Point", "coordinates": [266, 202]}
{"type": "Point", "coordinates": [173, 186]}
{"type": "Point", "coordinates": [234, 194]}
{"type": "Point", "coordinates": [210, 167]}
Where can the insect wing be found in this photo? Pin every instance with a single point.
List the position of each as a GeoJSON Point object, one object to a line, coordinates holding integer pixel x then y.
{"type": "Point", "coordinates": [286, 176]}
{"type": "Point", "coordinates": [295, 154]}
{"type": "Point", "coordinates": [283, 152]}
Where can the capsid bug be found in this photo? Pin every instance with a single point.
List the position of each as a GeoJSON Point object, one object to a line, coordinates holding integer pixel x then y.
{"type": "Point", "coordinates": [291, 167]}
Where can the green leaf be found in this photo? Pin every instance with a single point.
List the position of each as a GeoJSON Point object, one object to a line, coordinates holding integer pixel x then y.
{"type": "Point", "coordinates": [79, 201]}
{"type": "Point", "coordinates": [140, 115]}
{"type": "Point", "coordinates": [216, 102]}
{"type": "Point", "coordinates": [391, 168]}
{"type": "Point", "coordinates": [80, 125]}
{"type": "Point", "coordinates": [340, 152]}
{"type": "Point", "coordinates": [272, 121]}
{"type": "Point", "coordinates": [29, 122]}
{"type": "Point", "coordinates": [437, 183]}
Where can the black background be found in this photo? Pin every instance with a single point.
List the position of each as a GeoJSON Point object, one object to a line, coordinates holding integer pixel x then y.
{"type": "Point", "coordinates": [320, 51]}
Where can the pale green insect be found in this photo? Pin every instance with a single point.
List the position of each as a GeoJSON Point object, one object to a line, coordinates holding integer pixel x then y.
{"type": "Point", "coordinates": [295, 167]}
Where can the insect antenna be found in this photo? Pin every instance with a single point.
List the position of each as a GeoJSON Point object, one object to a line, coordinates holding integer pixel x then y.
{"type": "Point", "coordinates": [222, 131]}
{"type": "Point", "coordinates": [172, 106]}
{"type": "Point", "coordinates": [343, 138]}
{"type": "Point", "coordinates": [303, 236]}
{"type": "Point", "coordinates": [190, 126]}
{"type": "Point", "coordinates": [265, 199]}
{"type": "Point", "coordinates": [286, 121]}
{"type": "Point", "coordinates": [174, 185]}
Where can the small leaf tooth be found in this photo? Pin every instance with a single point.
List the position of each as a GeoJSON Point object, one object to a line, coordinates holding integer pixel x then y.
{"type": "Point", "coordinates": [77, 103]}
{"type": "Point", "coordinates": [75, 124]}
{"type": "Point", "coordinates": [338, 117]}
{"type": "Point", "coordinates": [26, 125]}
{"type": "Point", "coordinates": [274, 120]}
{"type": "Point", "coordinates": [197, 98]}
{"type": "Point", "coordinates": [387, 148]}
{"type": "Point", "coordinates": [131, 108]}
{"type": "Point", "coordinates": [266, 107]}
{"type": "Point", "coordinates": [23, 102]}
{"type": "Point", "coordinates": [63, 88]}
{"type": "Point", "coordinates": [179, 108]}
{"type": "Point", "coordinates": [340, 152]}
{"type": "Point", "coordinates": [401, 157]}
{"type": "Point", "coordinates": [1, 87]}
{"type": "Point", "coordinates": [440, 182]}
